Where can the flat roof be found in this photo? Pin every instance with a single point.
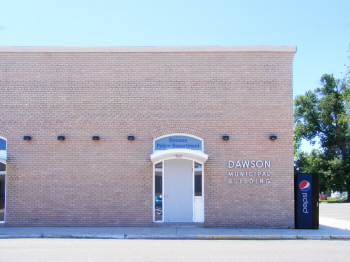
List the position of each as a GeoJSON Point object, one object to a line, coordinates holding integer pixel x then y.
{"type": "Point", "coordinates": [144, 49]}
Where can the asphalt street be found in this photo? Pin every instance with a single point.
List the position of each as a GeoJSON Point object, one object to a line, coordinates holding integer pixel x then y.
{"type": "Point", "coordinates": [172, 250]}
{"type": "Point", "coordinates": [339, 211]}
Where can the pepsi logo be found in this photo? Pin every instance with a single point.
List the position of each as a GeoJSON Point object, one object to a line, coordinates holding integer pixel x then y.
{"type": "Point", "coordinates": [304, 185]}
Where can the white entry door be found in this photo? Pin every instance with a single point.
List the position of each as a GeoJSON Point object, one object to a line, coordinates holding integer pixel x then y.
{"type": "Point", "coordinates": [178, 190]}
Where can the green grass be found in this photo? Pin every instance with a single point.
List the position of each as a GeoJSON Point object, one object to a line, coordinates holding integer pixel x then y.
{"type": "Point", "coordinates": [331, 200]}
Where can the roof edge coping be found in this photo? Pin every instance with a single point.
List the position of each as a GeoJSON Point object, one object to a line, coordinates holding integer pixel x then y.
{"type": "Point", "coordinates": [145, 49]}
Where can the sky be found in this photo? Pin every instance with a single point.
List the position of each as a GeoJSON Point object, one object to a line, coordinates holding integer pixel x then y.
{"type": "Point", "coordinates": [319, 29]}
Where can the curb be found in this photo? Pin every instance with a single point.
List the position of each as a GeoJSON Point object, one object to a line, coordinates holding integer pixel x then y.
{"type": "Point", "coordinates": [248, 237]}
{"type": "Point", "coordinates": [274, 237]}
{"type": "Point", "coordinates": [179, 237]}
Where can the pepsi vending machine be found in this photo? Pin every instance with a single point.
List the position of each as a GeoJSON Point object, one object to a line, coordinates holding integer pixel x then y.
{"type": "Point", "coordinates": [306, 201]}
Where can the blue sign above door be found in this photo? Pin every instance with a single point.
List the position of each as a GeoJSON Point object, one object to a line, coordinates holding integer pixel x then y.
{"type": "Point", "coordinates": [178, 142]}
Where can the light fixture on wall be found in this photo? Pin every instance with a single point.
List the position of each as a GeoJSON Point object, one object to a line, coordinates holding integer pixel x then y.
{"type": "Point", "coordinates": [61, 138]}
{"type": "Point", "coordinates": [225, 137]}
{"type": "Point", "coordinates": [131, 138]}
{"type": "Point", "coordinates": [27, 138]}
{"type": "Point", "coordinates": [178, 156]}
{"type": "Point", "coordinates": [95, 138]}
{"type": "Point", "coordinates": [273, 137]}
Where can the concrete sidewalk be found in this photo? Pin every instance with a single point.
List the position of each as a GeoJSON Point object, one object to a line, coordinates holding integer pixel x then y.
{"type": "Point", "coordinates": [176, 232]}
{"type": "Point", "coordinates": [334, 224]}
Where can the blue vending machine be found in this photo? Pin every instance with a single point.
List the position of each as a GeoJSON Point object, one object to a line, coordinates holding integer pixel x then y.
{"type": "Point", "coordinates": [306, 201]}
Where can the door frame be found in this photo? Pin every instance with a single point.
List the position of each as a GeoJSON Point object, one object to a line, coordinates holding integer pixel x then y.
{"type": "Point", "coordinates": [163, 189]}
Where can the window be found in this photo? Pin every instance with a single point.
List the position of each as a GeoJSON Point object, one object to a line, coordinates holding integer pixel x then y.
{"type": "Point", "coordinates": [197, 179]}
{"type": "Point", "coordinates": [158, 191]}
{"type": "Point", "coordinates": [3, 156]}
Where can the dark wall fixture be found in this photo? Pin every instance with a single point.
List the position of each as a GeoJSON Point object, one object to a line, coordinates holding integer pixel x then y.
{"type": "Point", "coordinates": [61, 138]}
{"type": "Point", "coordinates": [27, 138]}
{"type": "Point", "coordinates": [131, 138]}
{"type": "Point", "coordinates": [225, 137]}
{"type": "Point", "coordinates": [273, 137]}
{"type": "Point", "coordinates": [95, 138]}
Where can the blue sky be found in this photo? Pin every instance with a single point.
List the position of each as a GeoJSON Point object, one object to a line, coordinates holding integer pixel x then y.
{"type": "Point", "coordinates": [320, 29]}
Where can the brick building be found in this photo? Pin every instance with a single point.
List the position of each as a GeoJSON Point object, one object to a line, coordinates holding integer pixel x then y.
{"type": "Point", "coordinates": [133, 136]}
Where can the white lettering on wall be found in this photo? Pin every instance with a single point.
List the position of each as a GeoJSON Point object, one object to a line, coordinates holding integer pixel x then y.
{"type": "Point", "coordinates": [259, 164]}
{"type": "Point", "coordinates": [231, 164]}
{"type": "Point", "coordinates": [249, 164]}
{"type": "Point", "coordinates": [245, 163]}
{"type": "Point", "coordinates": [249, 177]}
{"type": "Point", "coordinates": [248, 181]}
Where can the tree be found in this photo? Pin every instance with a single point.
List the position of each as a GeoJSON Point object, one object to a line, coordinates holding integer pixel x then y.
{"type": "Point", "coordinates": [312, 162]}
{"type": "Point", "coordinates": [324, 114]}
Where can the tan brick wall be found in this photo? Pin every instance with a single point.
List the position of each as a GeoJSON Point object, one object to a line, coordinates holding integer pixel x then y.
{"type": "Point", "coordinates": [80, 182]}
